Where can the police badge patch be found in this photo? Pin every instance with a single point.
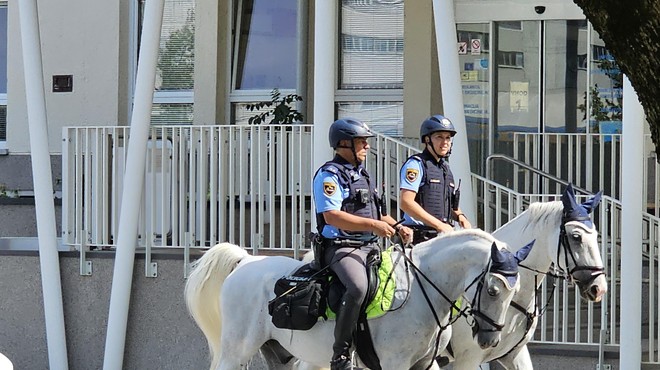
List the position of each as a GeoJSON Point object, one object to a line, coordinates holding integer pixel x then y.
{"type": "Point", "coordinates": [411, 174]}
{"type": "Point", "coordinates": [329, 188]}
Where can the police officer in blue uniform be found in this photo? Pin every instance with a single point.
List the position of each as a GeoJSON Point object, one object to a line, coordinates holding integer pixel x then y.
{"type": "Point", "coordinates": [350, 218]}
{"type": "Point", "coordinates": [428, 192]}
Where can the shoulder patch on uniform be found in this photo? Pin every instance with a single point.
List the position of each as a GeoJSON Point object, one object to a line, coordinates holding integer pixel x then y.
{"type": "Point", "coordinates": [329, 188]}
{"type": "Point", "coordinates": [411, 174]}
{"type": "Point", "coordinates": [330, 168]}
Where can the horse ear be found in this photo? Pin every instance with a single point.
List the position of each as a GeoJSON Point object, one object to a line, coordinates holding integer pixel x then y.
{"type": "Point", "coordinates": [593, 202]}
{"type": "Point", "coordinates": [496, 255]}
{"type": "Point", "coordinates": [522, 253]}
{"type": "Point", "coordinates": [568, 198]}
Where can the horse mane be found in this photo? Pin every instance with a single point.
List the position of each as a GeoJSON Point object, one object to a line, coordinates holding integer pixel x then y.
{"type": "Point", "coordinates": [544, 214]}
{"type": "Point", "coordinates": [476, 233]}
{"type": "Point", "coordinates": [442, 239]}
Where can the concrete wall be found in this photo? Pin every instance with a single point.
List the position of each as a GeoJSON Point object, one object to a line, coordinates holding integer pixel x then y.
{"type": "Point", "coordinates": [79, 38]}
{"type": "Point", "coordinates": [160, 333]}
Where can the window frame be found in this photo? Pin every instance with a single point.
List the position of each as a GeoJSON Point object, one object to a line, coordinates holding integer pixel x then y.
{"type": "Point", "coordinates": [366, 95]}
{"type": "Point", "coordinates": [181, 96]}
{"type": "Point", "coordinates": [243, 96]}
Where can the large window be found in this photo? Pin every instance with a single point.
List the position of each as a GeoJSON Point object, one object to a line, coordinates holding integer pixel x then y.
{"type": "Point", "coordinates": [3, 75]}
{"type": "Point", "coordinates": [266, 50]}
{"type": "Point", "coordinates": [173, 97]}
{"type": "Point", "coordinates": [371, 64]}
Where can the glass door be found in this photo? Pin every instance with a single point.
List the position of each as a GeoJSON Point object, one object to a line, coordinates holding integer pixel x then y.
{"type": "Point", "coordinates": [537, 73]}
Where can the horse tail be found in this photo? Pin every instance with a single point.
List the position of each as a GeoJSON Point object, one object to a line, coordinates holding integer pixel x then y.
{"type": "Point", "coordinates": [203, 289]}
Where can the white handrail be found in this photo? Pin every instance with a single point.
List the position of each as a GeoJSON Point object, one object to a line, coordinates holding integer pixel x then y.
{"type": "Point", "coordinates": [204, 182]}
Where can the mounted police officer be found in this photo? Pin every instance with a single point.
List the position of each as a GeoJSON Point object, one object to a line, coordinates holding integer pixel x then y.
{"type": "Point", "coordinates": [350, 218]}
{"type": "Point", "coordinates": [429, 194]}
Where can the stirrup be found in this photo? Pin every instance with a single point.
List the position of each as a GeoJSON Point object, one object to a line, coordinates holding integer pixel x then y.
{"type": "Point", "coordinates": [343, 362]}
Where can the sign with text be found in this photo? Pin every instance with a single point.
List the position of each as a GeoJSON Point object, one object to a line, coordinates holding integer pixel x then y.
{"type": "Point", "coordinates": [519, 96]}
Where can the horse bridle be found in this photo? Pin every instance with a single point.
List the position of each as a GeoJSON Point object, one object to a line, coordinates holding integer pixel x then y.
{"type": "Point", "coordinates": [475, 306]}
{"type": "Point", "coordinates": [564, 244]}
{"type": "Point", "coordinates": [461, 312]}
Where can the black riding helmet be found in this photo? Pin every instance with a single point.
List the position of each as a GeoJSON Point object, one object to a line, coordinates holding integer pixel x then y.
{"type": "Point", "coordinates": [347, 129]}
{"type": "Point", "coordinates": [434, 124]}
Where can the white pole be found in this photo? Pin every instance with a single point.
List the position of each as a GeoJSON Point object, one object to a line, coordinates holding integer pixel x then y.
{"type": "Point", "coordinates": [133, 186]}
{"type": "Point", "coordinates": [632, 159]}
{"type": "Point", "coordinates": [325, 54]}
{"type": "Point", "coordinates": [452, 99]}
{"type": "Point", "coordinates": [43, 184]}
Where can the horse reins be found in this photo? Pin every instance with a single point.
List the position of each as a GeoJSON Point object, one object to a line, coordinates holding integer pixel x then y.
{"type": "Point", "coordinates": [479, 279]}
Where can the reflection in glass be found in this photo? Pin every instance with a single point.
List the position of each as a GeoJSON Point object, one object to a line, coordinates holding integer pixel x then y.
{"type": "Point", "coordinates": [371, 45]}
{"type": "Point", "coordinates": [382, 117]}
{"type": "Point", "coordinates": [176, 58]}
{"type": "Point", "coordinates": [265, 52]}
{"type": "Point", "coordinates": [517, 82]}
{"type": "Point", "coordinates": [172, 114]}
{"type": "Point", "coordinates": [474, 63]}
{"type": "Point", "coordinates": [565, 78]}
{"type": "Point", "coordinates": [605, 100]}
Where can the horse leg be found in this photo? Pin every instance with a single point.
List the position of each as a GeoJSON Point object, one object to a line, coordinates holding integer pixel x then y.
{"type": "Point", "coordinates": [467, 362]}
{"type": "Point", "coordinates": [302, 365]}
{"type": "Point", "coordinates": [424, 364]}
{"type": "Point", "coordinates": [517, 360]}
{"type": "Point", "coordinates": [275, 356]}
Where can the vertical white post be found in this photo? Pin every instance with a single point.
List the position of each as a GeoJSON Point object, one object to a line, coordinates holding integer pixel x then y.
{"type": "Point", "coordinates": [632, 159]}
{"type": "Point", "coordinates": [43, 184]}
{"type": "Point", "coordinates": [133, 186]}
{"type": "Point", "coordinates": [452, 98]}
{"type": "Point", "coordinates": [325, 55]}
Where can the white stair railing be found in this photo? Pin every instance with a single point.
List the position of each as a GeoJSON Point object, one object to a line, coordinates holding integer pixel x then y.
{"type": "Point", "coordinates": [251, 185]}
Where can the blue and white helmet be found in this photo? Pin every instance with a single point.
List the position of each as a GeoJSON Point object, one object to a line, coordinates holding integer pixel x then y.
{"type": "Point", "coordinates": [347, 129]}
{"type": "Point", "coordinates": [434, 124]}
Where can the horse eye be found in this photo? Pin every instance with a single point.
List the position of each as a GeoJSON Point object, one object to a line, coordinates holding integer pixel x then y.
{"type": "Point", "coordinates": [493, 291]}
{"type": "Point", "coordinates": [577, 237]}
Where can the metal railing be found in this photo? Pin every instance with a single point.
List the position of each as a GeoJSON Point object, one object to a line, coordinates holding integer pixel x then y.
{"type": "Point", "coordinates": [590, 161]}
{"type": "Point", "coordinates": [251, 185]}
{"type": "Point", "coordinates": [522, 165]}
{"type": "Point", "coordinates": [568, 318]}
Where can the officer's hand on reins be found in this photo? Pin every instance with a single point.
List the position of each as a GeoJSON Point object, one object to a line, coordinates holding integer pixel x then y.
{"type": "Point", "coordinates": [382, 229]}
{"type": "Point", "coordinates": [405, 233]}
{"type": "Point", "coordinates": [444, 228]}
{"type": "Point", "coordinates": [463, 221]}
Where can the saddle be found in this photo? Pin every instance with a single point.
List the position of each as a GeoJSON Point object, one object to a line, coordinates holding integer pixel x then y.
{"type": "Point", "coordinates": [310, 293]}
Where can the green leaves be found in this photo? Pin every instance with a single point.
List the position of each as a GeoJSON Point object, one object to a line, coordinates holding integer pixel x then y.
{"type": "Point", "coordinates": [279, 110]}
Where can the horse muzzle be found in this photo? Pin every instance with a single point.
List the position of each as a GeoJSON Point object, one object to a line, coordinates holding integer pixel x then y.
{"type": "Point", "coordinates": [486, 337]}
{"type": "Point", "coordinates": [592, 284]}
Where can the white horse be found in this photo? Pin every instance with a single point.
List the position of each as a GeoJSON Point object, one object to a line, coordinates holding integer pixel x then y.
{"type": "Point", "coordinates": [228, 291]}
{"type": "Point", "coordinates": [565, 236]}
{"type": "Point", "coordinates": [5, 364]}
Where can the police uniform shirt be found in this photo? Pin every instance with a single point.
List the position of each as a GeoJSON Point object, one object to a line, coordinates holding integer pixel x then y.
{"type": "Point", "coordinates": [328, 196]}
{"type": "Point", "coordinates": [411, 175]}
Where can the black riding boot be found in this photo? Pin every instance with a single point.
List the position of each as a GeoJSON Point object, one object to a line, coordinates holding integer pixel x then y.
{"type": "Point", "coordinates": [344, 327]}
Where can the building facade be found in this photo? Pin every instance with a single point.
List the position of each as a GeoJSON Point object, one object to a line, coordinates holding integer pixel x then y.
{"type": "Point", "coordinates": [525, 70]}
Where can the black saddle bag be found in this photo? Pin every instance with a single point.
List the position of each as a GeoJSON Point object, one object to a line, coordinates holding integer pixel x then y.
{"type": "Point", "coordinates": [299, 300]}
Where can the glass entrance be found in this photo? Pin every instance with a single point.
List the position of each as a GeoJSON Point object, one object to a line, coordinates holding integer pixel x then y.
{"type": "Point", "coordinates": [521, 77]}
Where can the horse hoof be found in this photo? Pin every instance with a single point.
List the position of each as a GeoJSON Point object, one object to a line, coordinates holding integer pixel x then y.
{"type": "Point", "coordinates": [442, 361]}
